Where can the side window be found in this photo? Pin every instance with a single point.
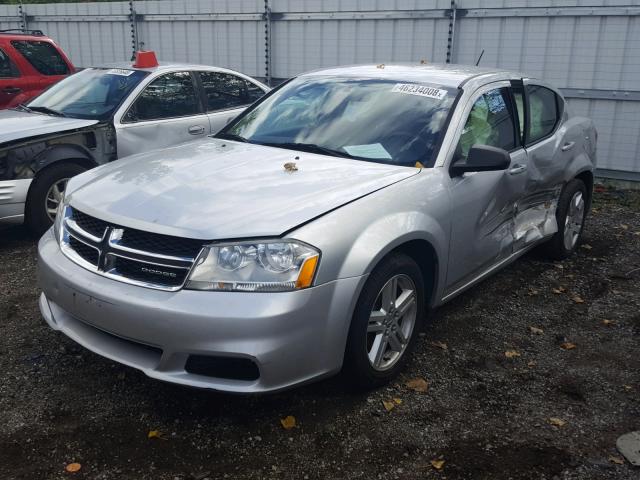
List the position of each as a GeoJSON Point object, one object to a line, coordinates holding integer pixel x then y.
{"type": "Point", "coordinates": [224, 90]}
{"type": "Point", "coordinates": [489, 123]}
{"type": "Point", "coordinates": [7, 68]}
{"type": "Point", "coordinates": [543, 108]}
{"type": "Point", "coordinates": [169, 96]}
{"type": "Point", "coordinates": [42, 56]}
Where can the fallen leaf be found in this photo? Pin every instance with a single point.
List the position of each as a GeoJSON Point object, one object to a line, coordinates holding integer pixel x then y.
{"type": "Point", "coordinates": [73, 467]}
{"type": "Point", "coordinates": [511, 354]}
{"type": "Point", "coordinates": [440, 345]}
{"type": "Point", "coordinates": [618, 460]}
{"type": "Point", "coordinates": [568, 346]}
{"type": "Point", "coordinates": [533, 292]}
{"type": "Point", "coordinates": [290, 167]}
{"type": "Point", "coordinates": [557, 422]}
{"type": "Point", "coordinates": [628, 388]}
{"type": "Point", "coordinates": [608, 323]}
{"type": "Point", "coordinates": [536, 330]}
{"type": "Point", "coordinates": [586, 246]}
{"type": "Point", "coordinates": [531, 364]}
{"type": "Point", "coordinates": [388, 405]}
{"type": "Point", "coordinates": [577, 299]}
{"type": "Point", "coordinates": [624, 227]}
{"type": "Point", "coordinates": [559, 290]}
{"type": "Point", "coordinates": [154, 434]}
{"type": "Point", "coordinates": [397, 401]}
{"type": "Point", "coordinates": [437, 464]}
{"type": "Point", "coordinates": [417, 385]}
{"type": "Point", "coordinates": [288, 422]}
{"type": "Point", "coordinates": [419, 165]}
{"type": "Point", "coordinates": [558, 265]}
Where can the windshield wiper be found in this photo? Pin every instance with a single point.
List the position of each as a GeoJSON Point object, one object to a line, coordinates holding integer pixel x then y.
{"type": "Point", "coordinates": [231, 136]}
{"type": "Point", "coordinates": [309, 147]}
{"type": "Point", "coordinates": [23, 107]}
{"type": "Point", "coordinates": [47, 110]}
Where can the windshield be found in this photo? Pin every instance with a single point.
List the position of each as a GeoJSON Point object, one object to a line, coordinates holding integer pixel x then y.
{"type": "Point", "coordinates": [370, 119]}
{"type": "Point", "coordinates": [94, 93]}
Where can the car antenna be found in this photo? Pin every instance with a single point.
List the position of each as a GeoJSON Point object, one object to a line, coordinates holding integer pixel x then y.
{"type": "Point", "coordinates": [480, 57]}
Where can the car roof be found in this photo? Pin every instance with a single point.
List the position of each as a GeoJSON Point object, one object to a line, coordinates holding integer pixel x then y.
{"type": "Point", "coordinates": [443, 74]}
{"type": "Point", "coordinates": [161, 67]}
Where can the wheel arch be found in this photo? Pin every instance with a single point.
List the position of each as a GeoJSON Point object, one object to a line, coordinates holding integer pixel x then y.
{"type": "Point", "coordinates": [586, 177]}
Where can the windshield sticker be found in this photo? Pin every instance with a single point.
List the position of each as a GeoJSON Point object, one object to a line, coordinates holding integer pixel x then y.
{"type": "Point", "coordinates": [119, 71]}
{"type": "Point", "coordinates": [420, 90]}
{"type": "Point", "coordinates": [373, 150]}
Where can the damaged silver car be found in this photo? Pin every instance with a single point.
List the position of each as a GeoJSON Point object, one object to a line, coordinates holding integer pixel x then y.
{"type": "Point", "coordinates": [313, 233]}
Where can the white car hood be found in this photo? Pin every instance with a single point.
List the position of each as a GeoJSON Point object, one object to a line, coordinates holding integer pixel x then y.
{"type": "Point", "coordinates": [216, 189]}
{"type": "Point", "coordinates": [16, 125]}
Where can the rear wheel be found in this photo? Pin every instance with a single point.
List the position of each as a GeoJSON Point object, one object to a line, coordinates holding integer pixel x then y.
{"type": "Point", "coordinates": [385, 323]}
{"type": "Point", "coordinates": [570, 215]}
{"type": "Point", "coordinates": [46, 193]}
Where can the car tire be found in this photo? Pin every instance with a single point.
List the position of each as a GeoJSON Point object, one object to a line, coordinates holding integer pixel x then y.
{"type": "Point", "coordinates": [571, 214]}
{"type": "Point", "coordinates": [45, 184]}
{"type": "Point", "coordinates": [364, 367]}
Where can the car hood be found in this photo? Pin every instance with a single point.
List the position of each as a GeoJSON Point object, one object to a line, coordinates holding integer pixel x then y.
{"type": "Point", "coordinates": [16, 125]}
{"type": "Point", "coordinates": [216, 189]}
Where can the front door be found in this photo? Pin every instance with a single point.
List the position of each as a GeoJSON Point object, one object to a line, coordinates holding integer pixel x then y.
{"type": "Point", "coordinates": [484, 204]}
{"type": "Point", "coordinates": [167, 112]}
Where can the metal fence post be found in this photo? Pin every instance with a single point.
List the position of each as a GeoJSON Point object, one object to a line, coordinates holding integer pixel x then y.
{"type": "Point", "coordinates": [133, 22]}
{"type": "Point", "coordinates": [267, 42]}
{"type": "Point", "coordinates": [23, 17]}
{"type": "Point", "coordinates": [452, 31]}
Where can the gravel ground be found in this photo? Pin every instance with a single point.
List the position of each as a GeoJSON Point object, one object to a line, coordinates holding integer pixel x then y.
{"type": "Point", "coordinates": [486, 414]}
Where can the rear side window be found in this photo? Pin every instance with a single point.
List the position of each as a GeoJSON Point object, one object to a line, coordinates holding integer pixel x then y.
{"type": "Point", "coordinates": [224, 90]}
{"type": "Point", "coordinates": [7, 68]}
{"type": "Point", "coordinates": [543, 112]}
{"type": "Point", "coordinates": [490, 122]}
{"type": "Point", "coordinates": [169, 96]}
{"type": "Point", "coordinates": [42, 56]}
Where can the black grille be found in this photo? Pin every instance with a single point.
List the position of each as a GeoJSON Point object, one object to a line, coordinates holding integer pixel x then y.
{"type": "Point", "coordinates": [85, 252]}
{"type": "Point", "coordinates": [149, 273]}
{"type": "Point", "coordinates": [223, 367]}
{"type": "Point", "coordinates": [162, 244]}
{"type": "Point", "coordinates": [89, 224]}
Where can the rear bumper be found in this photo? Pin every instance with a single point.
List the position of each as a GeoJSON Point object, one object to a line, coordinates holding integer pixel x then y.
{"type": "Point", "coordinates": [13, 195]}
{"type": "Point", "coordinates": [292, 337]}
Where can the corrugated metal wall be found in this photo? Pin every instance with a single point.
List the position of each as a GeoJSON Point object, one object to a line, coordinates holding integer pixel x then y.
{"type": "Point", "coordinates": [590, 49]}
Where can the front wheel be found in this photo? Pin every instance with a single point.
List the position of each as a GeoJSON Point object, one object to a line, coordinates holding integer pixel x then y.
{"type": "Point", "coordinates": [385, 323]}
{"type": "Point", "coordinates": [570, 215]}
{"type": "Point", "coordinates": [46, 193]}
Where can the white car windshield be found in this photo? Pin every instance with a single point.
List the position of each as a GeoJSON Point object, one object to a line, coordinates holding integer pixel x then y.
{"type": "Point", "coordinates": [94, 93]}
{"type": "Point", "coordinates": [387, 121]}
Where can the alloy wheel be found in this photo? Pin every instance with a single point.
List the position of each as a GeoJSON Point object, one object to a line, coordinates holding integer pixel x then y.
{"type": "Point", "coordinates": [54, 197]}
{"type": "Point", "coordinates": [573, 221]}
{"type": "Point", "coordinates": [391, 322]}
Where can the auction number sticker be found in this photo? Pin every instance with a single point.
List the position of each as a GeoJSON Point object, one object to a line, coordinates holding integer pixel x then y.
{"type": "Point", "coordinates": [119, 71]}
{"type": "Point", "coordinates": [420, 90]}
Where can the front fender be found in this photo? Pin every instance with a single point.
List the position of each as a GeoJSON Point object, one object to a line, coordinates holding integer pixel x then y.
{"type": "Point", "coordinates": [356, 237]}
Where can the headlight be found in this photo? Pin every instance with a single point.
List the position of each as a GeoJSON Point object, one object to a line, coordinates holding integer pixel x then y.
{"type": "Point", "coordinates": [266, 266]}
{"type": "Point", "coordinates": [61, 213]}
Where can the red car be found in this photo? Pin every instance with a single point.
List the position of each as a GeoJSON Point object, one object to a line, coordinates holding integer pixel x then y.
{"type": "Point", "coordinates": [29, 63]}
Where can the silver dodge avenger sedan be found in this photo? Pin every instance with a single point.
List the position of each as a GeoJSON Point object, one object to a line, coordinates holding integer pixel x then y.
{"type": "Point", "coordinates": [314, 232]}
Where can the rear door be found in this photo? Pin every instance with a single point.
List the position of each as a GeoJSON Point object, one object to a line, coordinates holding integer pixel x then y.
{"type": "Point", "coordinates": [548, 152]}
{"type": "Point", "coordinates": [10, 81]}
{"type": "Point", "coordinates": [168, 111]}
{"type": "Point", "coordinates": [226, 95]}
{"type": "Point", "coordinates": [45, 59]}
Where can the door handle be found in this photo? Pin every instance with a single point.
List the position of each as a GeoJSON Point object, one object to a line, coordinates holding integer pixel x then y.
{"type": "Point", "coordinates": [196, 129]}
{"type": "Point", "coordinates": [11, 90]}
{"type": "Point", "coordinates": [516, 169]}
{"type": "Point", "coordinates": [568, 146]}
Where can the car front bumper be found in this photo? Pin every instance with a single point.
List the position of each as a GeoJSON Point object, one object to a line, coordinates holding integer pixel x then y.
{"type": "Point", "coordinates": [292, 337]}
{"type": "Point", "coordinates": [13, 195]}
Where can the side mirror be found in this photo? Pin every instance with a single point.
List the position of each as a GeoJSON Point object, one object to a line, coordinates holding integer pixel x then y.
{"type": "Point", "coordinates": [481, 158]}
